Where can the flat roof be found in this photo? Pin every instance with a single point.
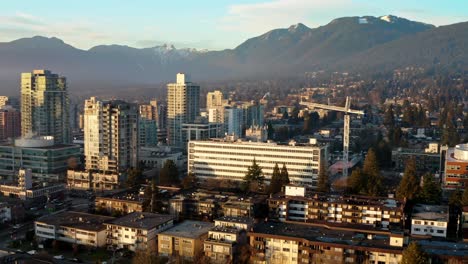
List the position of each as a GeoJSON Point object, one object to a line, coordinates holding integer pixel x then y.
{"type": "Point", "coordinates": [141, 220]}
{"type": "Point", "coordinates": [324, 235]}
{"type": "Point", "coordinates": [189, 229]}
{"type": "Point", "coordinates": [431, 212]}
{"type": "Point", "coordinates": [78, 220]}
{"type": "Point", "coordinates": [236, 219]}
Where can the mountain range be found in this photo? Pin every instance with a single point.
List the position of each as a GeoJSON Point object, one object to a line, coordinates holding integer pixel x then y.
{"type": "Point", "coordinates": [353, 44]}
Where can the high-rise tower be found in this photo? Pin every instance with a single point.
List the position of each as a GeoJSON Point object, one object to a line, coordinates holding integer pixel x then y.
{"type": "Point", "coordinates": [183, 106]}
{"type": "Point", "coordinates": [44, 105]}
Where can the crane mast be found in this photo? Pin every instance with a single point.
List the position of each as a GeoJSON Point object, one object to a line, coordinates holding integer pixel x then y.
{"type": "Point", "coordinates": [347, 111]}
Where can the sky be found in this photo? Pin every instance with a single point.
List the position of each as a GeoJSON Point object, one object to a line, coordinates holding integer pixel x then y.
{"type": "Point", "coordinates": [201, 24]}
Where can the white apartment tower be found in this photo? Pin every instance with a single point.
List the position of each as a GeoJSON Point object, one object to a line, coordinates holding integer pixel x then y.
{"type": "Point", "coordinates": [45, 105]}
{"type": "Point", "coordinates": [215, 106]}
{"type": "Point", "coordinates": [183, 106]}
{"type": "Point", "coordinates": [110, 135]}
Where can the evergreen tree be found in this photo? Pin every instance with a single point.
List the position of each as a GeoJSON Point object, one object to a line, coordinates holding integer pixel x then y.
{"type": "Point", "coordinates": [275, 183]}
{"type": "Point", "coordinates": [389, 117]}
{"type": "Point", "coordinates": [413, 254]}
{"type": "Point", "coordinates": [356, 182]}
{"type": "Point", "coordinates": [323, 184]}
{"type": "Point", "coordinates": [409, 185]}
{"type": "Point", "coordinates": [464, 200]}
{"type": "Point", "coordinates": [372, 172]}
{"type": "Point", "coordinates": [134, 177]}
{"type": "Point", "coordinates": [455, 198]}
{"type": "Point", "coordinates": [169, 174]}
{"type": "Point", "coordinates": [254, 177]}
{"type": "Point", "coordinates": [431, 191]}
{"type": "Point", "coordinates": [190, 181]}
{"type": "Point", "coordinates": [284, 175]}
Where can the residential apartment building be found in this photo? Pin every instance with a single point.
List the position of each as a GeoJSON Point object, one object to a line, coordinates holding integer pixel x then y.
{"type": "Point", "coordinates": [25, 189]}
{"type": "Point", "coordinates": [201, 131]}
{"type": "Point", "coordinates": [274, 242]}
{"type": "Point", "coordinates": [456, 167]}
{"type": "Point", "coordinates": [3, 101]}
{"type": "Point", "coordinates": [185, 239]}
{"type": "Point", "coordinates": [430, 220]}
{"type": "Point", "coordinates": [10, 123]}
{"type": "Point", "coordinates": [427, 160]}
{"type": "Point", "coordinates": [122, 202]}
{"type": "Point", "coordinates": [137, 231]}
{"type": "Point", "coordinates": [94, 180]}
{"type": "Point", "coordinates": [73, 227]}
{"type": "Point", "coordinates": [225, 237]}
{"type": "Point", "coordinates": [296, 205]}
{"type": "Point", "coordinates": [110, 135]}
{"type": "Point", "coordinates": [215, 104]}
{"type": "Point", "coordinates": [46, 160]}
{"type": "Point", "coordinates": [234, 121]}
{"type": "Point", "coordinates": [183, 107]}
{"type": "Point", "coordinates": [45, 105]}
{"type": "Point", "coordinates": [227, 160]}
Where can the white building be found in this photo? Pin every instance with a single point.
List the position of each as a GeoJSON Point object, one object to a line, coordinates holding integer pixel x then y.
{"type": "Point", "coordinates": [137, 230]}
{"type": "Point", "coordinates": [73, 227]}
{"type": "Point", "coordinates": [220, 159]}
{"type": "Point", "coordinates": [110, 135]}
{"type": "Point", "coordinates": [183, 106]}
{"type": "Point", "coordinates": [156, 157]}
{"type": "Point", "coordinates": [430, 220]}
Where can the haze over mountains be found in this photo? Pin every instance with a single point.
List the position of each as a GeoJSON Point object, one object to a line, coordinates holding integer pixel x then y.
{"type": "Point", "coordinates": [362, 44]}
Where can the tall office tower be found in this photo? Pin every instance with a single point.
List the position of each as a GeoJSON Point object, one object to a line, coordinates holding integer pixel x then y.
{"type": "Point", "coordinates": [183, 106]}
{"type": "Point", "coordinates": [110, 135]}
{"type": "Point", "coordinates": [45, 106]}
{"type": "Point", "coordinates": [10, 123]}
{"type": "Point", "coordinates": [233, 121]}
{"type": "Point", "coordinates": [3, 101]}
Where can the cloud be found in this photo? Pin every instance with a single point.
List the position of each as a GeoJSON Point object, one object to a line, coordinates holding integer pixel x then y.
{"type": "Point", "coordinates": [80, 33]}
{"type": "Point", "coordinates": [260, 17]}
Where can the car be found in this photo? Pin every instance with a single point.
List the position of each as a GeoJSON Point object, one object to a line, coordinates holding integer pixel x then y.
{"type": "Point", "coordinates": [32, 252]}
{"type": "Point", "coordinates": [59, 257]}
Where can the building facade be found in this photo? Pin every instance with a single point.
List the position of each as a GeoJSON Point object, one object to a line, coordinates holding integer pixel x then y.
{"type": "Point", "coordinates": [46, 160]}
{"type": "Point", "coordinates": [430, 220]}
{"type": "Point", "coordinates": [456, 167]}
{"type": "Point", "coordinates": [73, 227]}
{"type": "Point", "coordinates": [220, 159]}
{"type": "Point", "coordinates": [45, 105]}
{"type": "Point", "coordinates": [137, 231]}
{"type": "Point", "coordinates": [234, 121]}
{"type": "Point", "coordinates": [10, 123]}
{"type": "Point", "coordinates": [183, 107]}
{"type": "Point", "coordinates": [110, 135]}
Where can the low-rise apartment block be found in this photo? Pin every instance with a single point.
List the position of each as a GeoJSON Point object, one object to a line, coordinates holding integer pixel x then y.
{"type": "Point", "coordinates": [225, 237]}
{"type": "Point", "coordinates": [137, 231]}
{"type": "Point", "coordinates": [185, 239]}
{"type": "Point", "coordinates": [122, 202]}
{"type": "Point", "coordinates": [73, 227]}
{"type": "Point", "coordinates": [319, 208]}
{"type": "Point", "coordinates": [430, 220]}
{"type": "Point", "coordinates": [93, 180]}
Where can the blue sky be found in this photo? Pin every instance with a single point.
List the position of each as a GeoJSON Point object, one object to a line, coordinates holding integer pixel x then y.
{"type": "Point", "coordinates": [214, 24]}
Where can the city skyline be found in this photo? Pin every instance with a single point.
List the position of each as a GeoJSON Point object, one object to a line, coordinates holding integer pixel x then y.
{"type": "Point", "coordinates": [212, 25]}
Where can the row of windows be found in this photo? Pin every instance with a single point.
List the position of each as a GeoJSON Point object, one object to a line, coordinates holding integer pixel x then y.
{"type": "Point", "coordinates": [252, 148]}
{"type": "Point", "coordinates": [254, 154]}
{"type": "Point", "coordinates": [308, 163]}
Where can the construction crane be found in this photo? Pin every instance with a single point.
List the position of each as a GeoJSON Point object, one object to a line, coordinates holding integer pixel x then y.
{"type": "Point", "coordinates": [346, 109]}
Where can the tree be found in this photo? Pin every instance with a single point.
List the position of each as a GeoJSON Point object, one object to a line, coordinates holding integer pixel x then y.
{"type": "Point", "coordinates": [356, 182]}
{"type": "Point", "coordinates": [372, 172]}
{"type": "Point", "coordinates": [169, 174]}
{"type": "Point", "coordinates": [464, 200]}
{"type": "Point", "coordinates": [389, 117]}
{"type": "Point", "coordinates": [254, 177]}
{"type": "Point", "coordinates": [134, 177]}
{"type": "Point", "coordinates": [284, 175]}
{"type": "Point", "coordinates": [431, 191]}
{"type": "Point", "coordinates": [455, 198]}
{"type": "Point", "coordinates": [323, 184]}
{"type": "Point", "coordinates": [413, 254]}
{"type": "Point", "coordinates": [147, 257]}
{"type": "Point", "coordinates": [190, 181]}
{"type": "Point", "coordinates": [275, 182]}
{"type": "Point", "coordinates": [409, 184]}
